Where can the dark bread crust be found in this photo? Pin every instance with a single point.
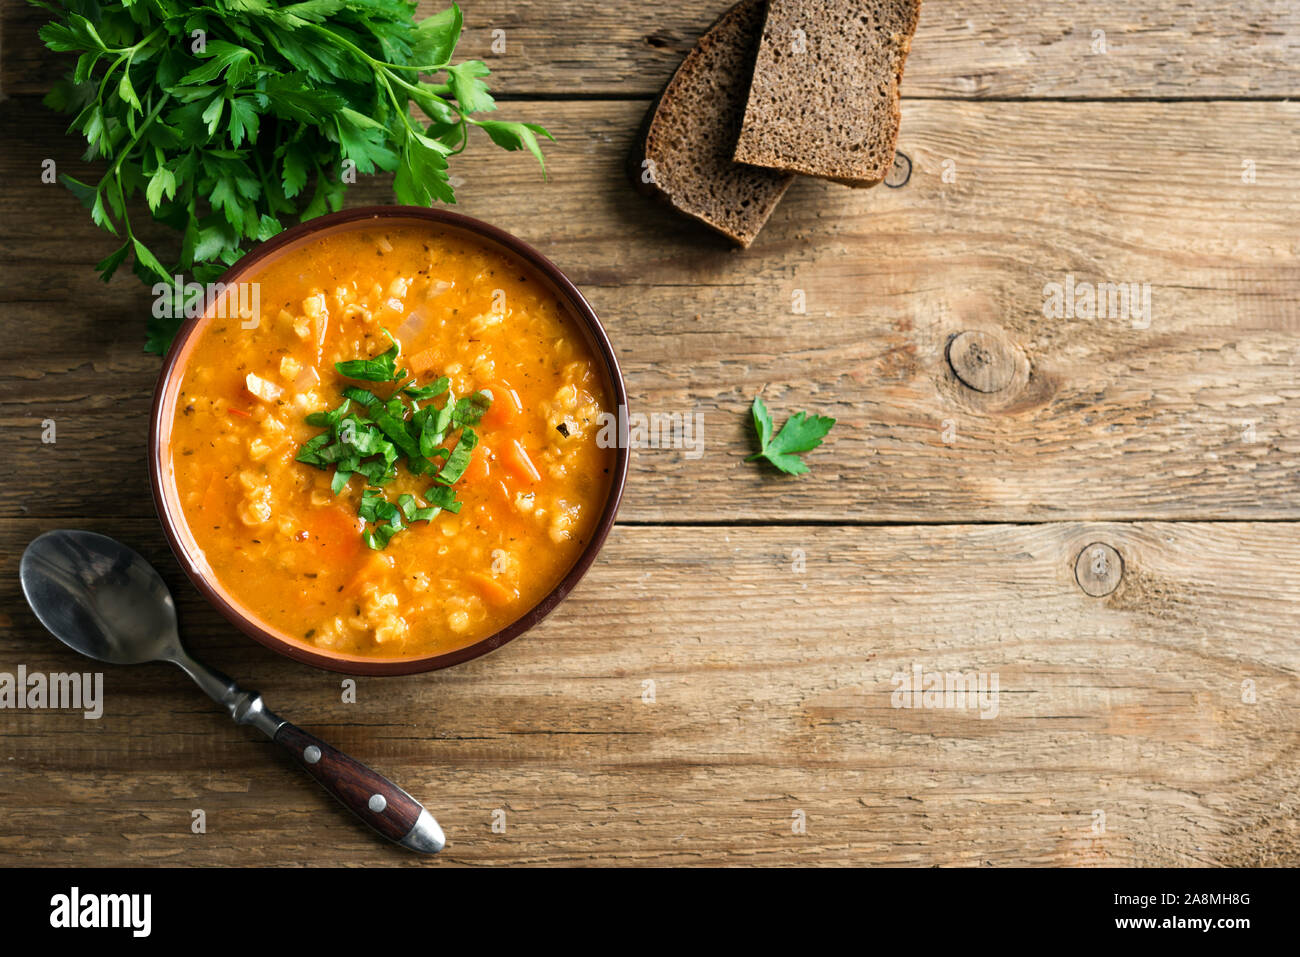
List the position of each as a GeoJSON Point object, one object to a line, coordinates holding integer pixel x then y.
{"type": "Point", "coordinates": [689, 133]}
{"type": "Point", "coordinates": [831, 110]}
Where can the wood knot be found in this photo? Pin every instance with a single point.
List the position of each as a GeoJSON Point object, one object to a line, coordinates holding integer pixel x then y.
{"type": "Point", "coordinates": [983, 361]}
{"type": "Point", "coordinates": [900, 171]}
{"type": "Point", "coordinates": [1098, 569]}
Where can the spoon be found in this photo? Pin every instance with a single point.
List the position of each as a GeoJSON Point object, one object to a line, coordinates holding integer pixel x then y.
{"type": "Point", "coordinates": [100, 598]}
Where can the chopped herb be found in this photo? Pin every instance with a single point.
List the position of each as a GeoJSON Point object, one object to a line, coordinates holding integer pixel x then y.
{"type": "Point", "coordinates": [310, 451]}
{"type": "Point", "coordinates": [380, 536]}
{"type": "Point", "coordinates": [443, 497]}
{"type": "Point", "coordinates": [414, 512]}
{"type": "Point", "coordinates": [392, 430]}
{"type": "Point", "coordinates": [331, 417]}
{"type": "Point", "coordinates": [458, 461]}
{"type": "Point", "coordinates": [428, 391]}
{"type": "Point", "coordinates": [380, 368]}
{"type": "Point", "coordinates": [801, 433]}
{"type": "Point", "coordinates": [470, 409]}
{"type": "Point", "coordinates": [361, 396]}
{"type": "Point", "coordinates": [395, 429]}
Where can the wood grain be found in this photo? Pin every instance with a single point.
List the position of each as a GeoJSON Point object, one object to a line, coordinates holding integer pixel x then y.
{"type": "Point", "coordinates": [1194, 417]}
{"type": "Point", "coordinates": [771, 695]}
{"type": "Point", "coordinates": [962, 49]}
{"type": "Point", "coordinates": [727, 668]}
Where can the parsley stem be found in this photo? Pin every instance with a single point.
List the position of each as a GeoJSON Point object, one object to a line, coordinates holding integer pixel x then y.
{"type": "Point", "coordinates": [435, 89]}
{"type": "Point", "coordinates": [103, 83]}
{"type": "Point", "coordinates": [261, 175]}
{"type": "Point", "coordinates": [384, 74]}
{"type": "Point", "coordinates": [135, 48]}
{"type": "Point", "coordinates": [392, 96]}
{"type": "Point", "coordinates": [403, 113]}
{"type": "Point", "coordinates": [125, 53]}
{"type": "Point", "coordinates": [115, 170]}
{"type": "Point", "coordinates": [424, 68]}
{"type": "Point", "coordinates": [153, 115]}
{"type": "Point", "coordinates": [126, 220]}
{"type": "Point", "coordinates": [342, 41]}
{"type": "Point", "coordinates": [464, 135]}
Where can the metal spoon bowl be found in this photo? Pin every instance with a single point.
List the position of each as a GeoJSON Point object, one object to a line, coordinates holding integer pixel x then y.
{"type": "Point", "coordinates": [103, 600]}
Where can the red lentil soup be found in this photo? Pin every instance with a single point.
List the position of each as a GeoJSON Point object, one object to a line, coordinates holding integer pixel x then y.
{"type": "Point", "coordinates": [288, 550]}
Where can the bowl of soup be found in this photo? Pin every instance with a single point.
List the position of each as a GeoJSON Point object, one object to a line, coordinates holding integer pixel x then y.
{"type": "Point", "coordinates": [388, 440]}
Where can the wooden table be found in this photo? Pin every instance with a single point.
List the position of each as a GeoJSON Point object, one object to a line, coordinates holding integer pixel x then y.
{"type": "Point", "coordinates": [719, 689]}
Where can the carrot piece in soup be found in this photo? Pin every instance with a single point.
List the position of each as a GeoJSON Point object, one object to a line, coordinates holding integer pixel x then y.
{"type": "Point", "coordinates": [517, 462]}
{"type": "Point", "coordinates": [478, 469]}
{"type": "Point", "coordinates": [373, 567]}
{"type": "Point", "coordinates": [505, 406]}
{"type": "Point", "coordinates": [492, 590]}
{"type": "Point", "coordinates": [422, 362]}
{"type": "Point", "coordinates": [335, 535]}
{"type": "Point", "coordinates": [213, 500]}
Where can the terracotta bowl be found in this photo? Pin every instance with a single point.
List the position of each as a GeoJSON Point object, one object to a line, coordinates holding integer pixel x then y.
{"type": "Point", "coordinates": [167, 502]}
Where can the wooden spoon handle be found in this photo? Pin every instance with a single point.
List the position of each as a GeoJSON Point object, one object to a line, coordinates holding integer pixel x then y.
{"type": "Point", "coordinates": [366, 793]}
{"type": "Point", "coordinates": [369, 795]}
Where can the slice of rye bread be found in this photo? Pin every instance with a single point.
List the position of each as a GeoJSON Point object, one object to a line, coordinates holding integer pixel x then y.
{"type": "Point", "coordinates": [824, 96]}
{"type": "Point", "coordinates": [684, 152]}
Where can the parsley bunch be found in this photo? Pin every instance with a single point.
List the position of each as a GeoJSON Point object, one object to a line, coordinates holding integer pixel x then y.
{"type": "Point", "coordinates": [367, 435]}
{"type": "Point", "coordinates": [231, 116]}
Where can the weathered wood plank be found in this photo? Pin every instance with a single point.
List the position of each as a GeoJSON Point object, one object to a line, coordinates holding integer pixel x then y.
{"type": "Point", "coordinates": [963, 48]}
{"type": "Point", "coordinates": [772, 695]}
{"type": "Point", "coordinates": [1194, 417]}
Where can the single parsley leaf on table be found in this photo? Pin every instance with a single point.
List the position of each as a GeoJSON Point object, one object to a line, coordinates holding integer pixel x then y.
{"type": "Point", "coordinates": [801, 433]}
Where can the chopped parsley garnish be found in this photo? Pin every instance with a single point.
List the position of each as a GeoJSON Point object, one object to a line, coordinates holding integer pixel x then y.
{"type": "Point", "coordinates": [801, 433]}
{"type": "Point", "coordinates": [458, 461]}
{"type": "Point", "coordinates": [369, 435]}
{"type": "Point", "coordinates": [361, 396]}
{"type": "Point", "coordinates": [380, 368]}
{"type": "Point", "coordinates": [423, 392]}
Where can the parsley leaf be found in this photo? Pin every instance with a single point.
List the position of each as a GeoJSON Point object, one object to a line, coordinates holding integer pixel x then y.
{"type": "Point", "coordinates": [466, 81]}
{"type": "Point", "coordinates": [513, 136]}
{"type": "Point", "coordinates": [361, 396]}
{"type": "Point", "coordinates": [444, 497]}
{"type": "Point", "coordinates": [469, 410]}
{"type": "Point", "coordinates": [380, 368]}
{"type": "Point", "coordinates": [458, 461]}
{"type": "Point", "coordinates": [801, 433]}
{"type": "Point", "coordinates": [431, 391]}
